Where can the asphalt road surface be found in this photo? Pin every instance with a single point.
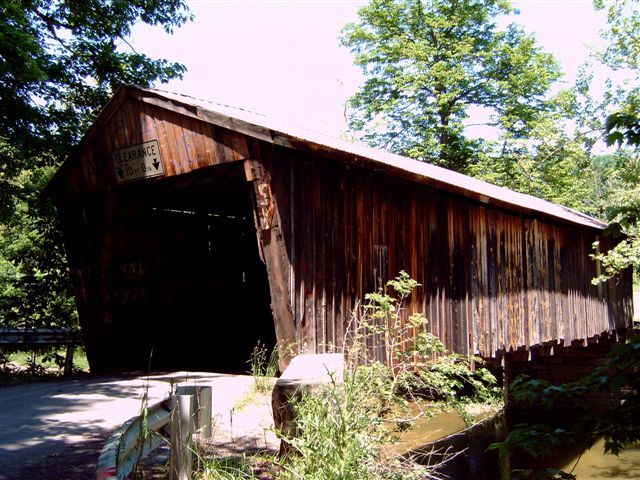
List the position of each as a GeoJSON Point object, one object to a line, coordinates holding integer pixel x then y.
{"type": "Point", "coordinates": [56, 429]}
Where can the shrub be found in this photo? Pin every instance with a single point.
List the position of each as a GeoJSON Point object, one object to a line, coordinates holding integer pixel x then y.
{"type": "Point", "coordinates": [416, 361]}
{"type": "Point", "coordinates": [263, 369]}
{"type": "Point", "coordinates": [339, 435]}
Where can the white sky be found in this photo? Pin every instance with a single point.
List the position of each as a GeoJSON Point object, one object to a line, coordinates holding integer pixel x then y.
{"type": "Point", "coordinates": [282, 57]}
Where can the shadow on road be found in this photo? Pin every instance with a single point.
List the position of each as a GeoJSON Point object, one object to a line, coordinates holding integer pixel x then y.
{"type": "Point", "coordinates": [56, 429]}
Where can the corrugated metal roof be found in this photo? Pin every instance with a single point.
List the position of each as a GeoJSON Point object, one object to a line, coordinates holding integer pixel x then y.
{"type": "Point", "coordinates": [285, 133]}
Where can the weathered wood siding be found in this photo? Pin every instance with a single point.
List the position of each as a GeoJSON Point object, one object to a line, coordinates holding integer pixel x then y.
{"type": "Point", "coordinates": [112, 244]}
{"type": "Point", "coordinates": [491, 279]}
{"type": "Point", "coordinates": [186, 144]}
{"type": "Point", "coordinates": [329, 230]}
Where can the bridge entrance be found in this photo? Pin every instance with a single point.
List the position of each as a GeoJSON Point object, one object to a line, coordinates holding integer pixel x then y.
{"type": "Point", "coordinates": [196, 296]}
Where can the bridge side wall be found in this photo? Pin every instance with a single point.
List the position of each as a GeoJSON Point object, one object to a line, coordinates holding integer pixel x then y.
{"type": "Point", "coordinates": [491, 279]}
{"type": "Point", "coordinates": [331, 229]}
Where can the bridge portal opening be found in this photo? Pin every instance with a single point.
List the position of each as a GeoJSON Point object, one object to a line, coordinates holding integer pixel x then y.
{"type": "Point", "coordinates": [203, 292]}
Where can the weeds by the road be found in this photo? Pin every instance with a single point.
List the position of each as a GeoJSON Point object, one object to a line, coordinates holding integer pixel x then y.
{"type": "Point", "coordinates": [18, 366]}
{"type": "Point", "coordinates": [263, 369]}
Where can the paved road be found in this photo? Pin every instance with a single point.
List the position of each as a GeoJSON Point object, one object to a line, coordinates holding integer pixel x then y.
{"type": "Point", "coordinates": [55, 430]}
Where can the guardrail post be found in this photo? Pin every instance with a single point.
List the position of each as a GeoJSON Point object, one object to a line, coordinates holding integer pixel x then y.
{"type": "Point", "coordinates": [180, 461]}
{"type": "Point", "coordinates": [202, 407]}
{"type": "Point", "coordinates": [204, 412]}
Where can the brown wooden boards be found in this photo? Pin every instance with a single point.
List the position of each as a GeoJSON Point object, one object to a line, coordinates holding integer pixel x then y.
{"type": "Point", "coordinates": [330, 229]}
{"type": "Point", "coordinates": [274, 253]}
{"type": "Point", "coordinates": [491, 280]}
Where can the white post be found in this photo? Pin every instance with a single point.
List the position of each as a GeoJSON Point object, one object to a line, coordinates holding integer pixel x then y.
{"type": "Point", "coordinates": [180, 462]}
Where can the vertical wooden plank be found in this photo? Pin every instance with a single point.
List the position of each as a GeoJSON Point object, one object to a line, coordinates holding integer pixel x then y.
{"type": "Point", "coordinates": [275, 256]}
{"type": "Point", "coordinates": [307, 246]}
{"type": "Point", "coordinates": [342, 315]}
{"type": "Point", "coordinates": [319, 259]}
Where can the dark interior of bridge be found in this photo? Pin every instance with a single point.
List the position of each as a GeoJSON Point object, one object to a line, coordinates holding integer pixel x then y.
{"type": "Point", "coordinates": [197, 295]}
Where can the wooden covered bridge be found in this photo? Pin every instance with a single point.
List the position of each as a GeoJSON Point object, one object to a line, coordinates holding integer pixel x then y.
{"type": "Point", "coordinates": [193, 230]}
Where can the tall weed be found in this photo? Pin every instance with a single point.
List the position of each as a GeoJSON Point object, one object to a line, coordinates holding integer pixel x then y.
{"type": "Point", "coordinates": [263, 368]}
{"type": "Point", "coordinates": [339, 436]}
{"type": "Point", "coordinates": [409, 360]}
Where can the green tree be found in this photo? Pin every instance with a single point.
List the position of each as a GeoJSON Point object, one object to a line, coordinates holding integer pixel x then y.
{"type": "Point", "coordinates": [622, 129]}
{"type": "Point", "coordinates": [60, 61]}
{"type": "Point", "coordinates": [427, 63]}
{"type": "Point", "coordinates": [552, 162]}
{"type": "Point", "coordinates": [34, 285]}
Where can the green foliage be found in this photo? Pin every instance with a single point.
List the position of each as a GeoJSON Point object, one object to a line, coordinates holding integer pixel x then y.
{"type": "Point", "coordinates": [454, 378]}
{"type": "Point", "coordinates": [427, 63]}
{"type": "Point", "coordinates": [625, 254]}
{"type": "Point", "coordinates": [619, 379]}
{"type": "Point", "coordinates": [27, 365]}
{"type": "Point", "coordinates": [263, 369]}
{"type": "Point", "coordinates": [622, 34]}
{"type": "Point", "coordinates": [35, 290]}
{"type": "Point", "coordinates": [416, 361]}
{"type": "Point", "coordinates": [553, 162]}
{"type": "Point", "coordinates": [337, 432]}
{"type": "Point", "coordinates": [623, 126]}
{"type": "Point", "coordinates": [211, 468]}
{"type": "Point", "coordinates": [382, 323]}
{"type": "Point", "coordinates": [62, 61]}
{"type": "Point", "coordinates": [340, 436]}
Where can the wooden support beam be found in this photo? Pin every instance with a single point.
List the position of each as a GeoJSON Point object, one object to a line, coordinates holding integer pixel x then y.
{"type": "Point", "coordinates": [273, 251]}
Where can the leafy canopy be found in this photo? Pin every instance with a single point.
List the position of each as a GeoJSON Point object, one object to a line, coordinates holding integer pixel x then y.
{"type": "Point", "coordinates": [427, 63]}
{"type": "Point", "coordinates": [60, 61]}
{"type": "Point", "coordinates": [622, 129]}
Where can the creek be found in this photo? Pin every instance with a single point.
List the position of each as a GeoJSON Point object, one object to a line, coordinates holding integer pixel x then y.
{"type": "Point", "coordinates": [460, 452]}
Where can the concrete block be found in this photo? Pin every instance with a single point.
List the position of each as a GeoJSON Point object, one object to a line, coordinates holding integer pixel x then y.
{"type": "Point", "coordinates": [304, 374]}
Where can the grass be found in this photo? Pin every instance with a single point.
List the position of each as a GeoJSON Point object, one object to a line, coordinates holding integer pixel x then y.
{"type": "Point", "coordinates": [339, 436]}
{"type": "Point", "coordinates": [17, 366]}
{"type": "Point", "coordinates": [235, 468]}
{"type": "Point", "coordinates": [264, 367]}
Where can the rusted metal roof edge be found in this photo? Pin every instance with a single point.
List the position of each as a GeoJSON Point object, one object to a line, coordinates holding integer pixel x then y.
{"type": "Point", "coordinates": [289, 135]}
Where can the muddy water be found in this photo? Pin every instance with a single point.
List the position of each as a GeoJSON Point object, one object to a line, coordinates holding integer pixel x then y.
{"type": "Point", "coordinates": [428, 430]}
{"type": "Point", "coordinates": [595, 464]}
{"type": "Point", "coordinates": [454, 450]}
{"type": "Point", "coordinates": [435, 439]}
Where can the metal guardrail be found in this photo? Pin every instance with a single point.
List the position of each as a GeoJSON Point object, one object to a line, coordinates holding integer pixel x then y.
{"type": "Point", "coordinates": [39, 336]}
{"type": "Point", "coordinates": [133, 441]}
{"type": "Point", "coordinates": [190, 409]}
